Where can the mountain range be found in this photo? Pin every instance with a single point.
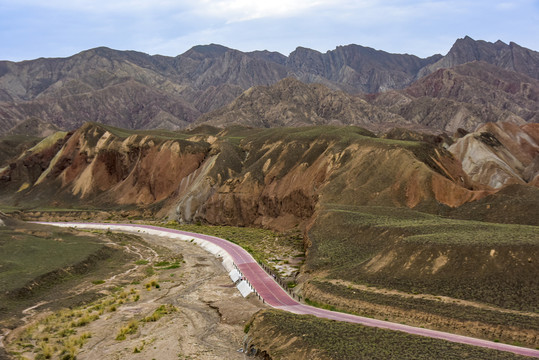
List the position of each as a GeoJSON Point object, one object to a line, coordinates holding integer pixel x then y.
{"type": "Point", "coordinates": [475, 82]}
{"type": "Point", "coordinates": [409, 185]}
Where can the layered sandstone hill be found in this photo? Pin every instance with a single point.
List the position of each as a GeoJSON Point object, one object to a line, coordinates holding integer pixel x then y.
{"type": "Point", "coordinates": [240, 176]}
{"type": "Point", "coordinates": [104, 166]}
{"type": "Point", "coordinates": [500, 154]}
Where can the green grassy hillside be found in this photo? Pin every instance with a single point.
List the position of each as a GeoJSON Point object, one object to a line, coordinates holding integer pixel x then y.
{"type": "Point", "coordinates": [416, 252]}
{"type": "Point", "coordinates": [282, 335]}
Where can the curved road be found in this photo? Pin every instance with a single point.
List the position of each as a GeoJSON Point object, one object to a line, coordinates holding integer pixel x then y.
{"type": "Point", "coordinates": [278, 298]}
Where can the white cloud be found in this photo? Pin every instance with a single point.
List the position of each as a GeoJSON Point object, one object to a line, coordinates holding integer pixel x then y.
{"type": "Point", "coordinates": [244, 10]}
{"type": "Point", "coordinates": [100, 6]}
{"type": "Point", "coordinates": [33, 28]}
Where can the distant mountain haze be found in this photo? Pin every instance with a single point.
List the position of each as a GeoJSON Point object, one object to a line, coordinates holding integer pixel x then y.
{"type": "Point", "coordinates": [134, 90]}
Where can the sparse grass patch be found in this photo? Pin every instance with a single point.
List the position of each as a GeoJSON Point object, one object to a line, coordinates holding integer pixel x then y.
{"type": "Point", "coordinates": [130, 328]}
{"type": "Point", "coordinates": [85, 320]}
{"type": "Point", "coordinates": [340, 340]}
{"type": "Point", "coordinates": [20, 266]}
{"type": "Point", "coordinates": [428, 228]}
{"type": "Point", "coordinates": [149, 271]}
{"type": "Point", "coordinates": [448, 310]}
{"type": "Point", "coordinates": [173, 263]}
{"type": "Point", "coordinates": [261, 243]}
{"type": "Point", "coordinates": [160, 312]}
{"type": "Point", "coordinates": [414, 252]}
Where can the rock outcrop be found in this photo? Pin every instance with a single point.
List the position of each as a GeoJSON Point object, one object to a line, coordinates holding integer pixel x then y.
{"type": "Point", "coordinates": [355, 68]}
{"type": "Point", "coordinates": [291, 102]}
{"type": "Point", "coordinates": [499, 154]}
{"type": "Point", "coordinates": [511, 57]}
{"type": "Point", "coordinates": [464, 97]}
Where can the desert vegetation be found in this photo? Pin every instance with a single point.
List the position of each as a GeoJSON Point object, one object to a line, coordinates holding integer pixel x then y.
{"type": "Point", "coordinates": [279, 334]}
{"type": "Point", "coordinates": [422, 253]}
{"type": "Point", "coordinates": [61, 334]}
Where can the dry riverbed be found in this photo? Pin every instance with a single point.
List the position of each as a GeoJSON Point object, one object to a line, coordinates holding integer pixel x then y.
{"type": "Point", "coordinates": [181, 305]}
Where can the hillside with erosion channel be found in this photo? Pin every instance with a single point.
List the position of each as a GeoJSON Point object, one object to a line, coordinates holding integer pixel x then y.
{"type": "Point", "coordinates": [391, 226]}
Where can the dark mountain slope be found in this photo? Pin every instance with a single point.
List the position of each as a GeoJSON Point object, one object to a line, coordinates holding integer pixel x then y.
{"type": "Point", "coordinates": [509, 57]}
{"type": "Point", "coordinates": [356, 68]}
{"type": "Point", "coordinates": [293, 103]}
{"type": "Point", "coordinates": [464, 97]}
{"type": "Point", "coordinates": [205, 78]}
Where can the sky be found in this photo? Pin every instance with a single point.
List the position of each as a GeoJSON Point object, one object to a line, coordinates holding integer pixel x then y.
{"type": "Point", "coordinates": [59, 28]}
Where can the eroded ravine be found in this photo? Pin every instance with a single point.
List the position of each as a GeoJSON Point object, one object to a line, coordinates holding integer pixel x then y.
{"type": "Point", "coordinates": [208, 323]}
{"type": "Point", "coordinates": [197, 330]}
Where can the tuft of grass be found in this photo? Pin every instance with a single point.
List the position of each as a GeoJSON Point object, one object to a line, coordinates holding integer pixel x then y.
{"type": "Point", "coordinates": [151, 284]}
{"type": "Point", "coordinates": [85, 320]}
{"type": "Point", "coordinates": [130, 328]}
{"type": "Point", "coordinates": [46, 350]}
{"type": "Point", "coordinates": [66, 332]}
{"type": "Point", "coordinates": [160, 312]}
{"type": "Point", "coordinates": [149, 271]}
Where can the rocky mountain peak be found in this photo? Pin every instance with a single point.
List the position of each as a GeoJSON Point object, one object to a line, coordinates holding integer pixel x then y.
{"type": "Point", "coordinates": [510, 57]}
{"type": "Point", "coordinates": [272, 56]}
{"type": "Point", "coordinates": [200, 52]}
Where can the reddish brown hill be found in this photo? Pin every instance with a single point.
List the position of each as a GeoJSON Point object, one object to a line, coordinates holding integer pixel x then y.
{"type": "Point", "coordinates": [483, 84]}
{"type": "Point", "coordinates": [464, 97]}
{"type": "Point", "coordinates": [97, 165]}
{"type": "Point", "coordinates": [273, 177]}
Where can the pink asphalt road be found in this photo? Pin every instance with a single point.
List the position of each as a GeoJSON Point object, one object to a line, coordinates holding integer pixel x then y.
{"type": "Point", "coordinates": [276, 297]}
